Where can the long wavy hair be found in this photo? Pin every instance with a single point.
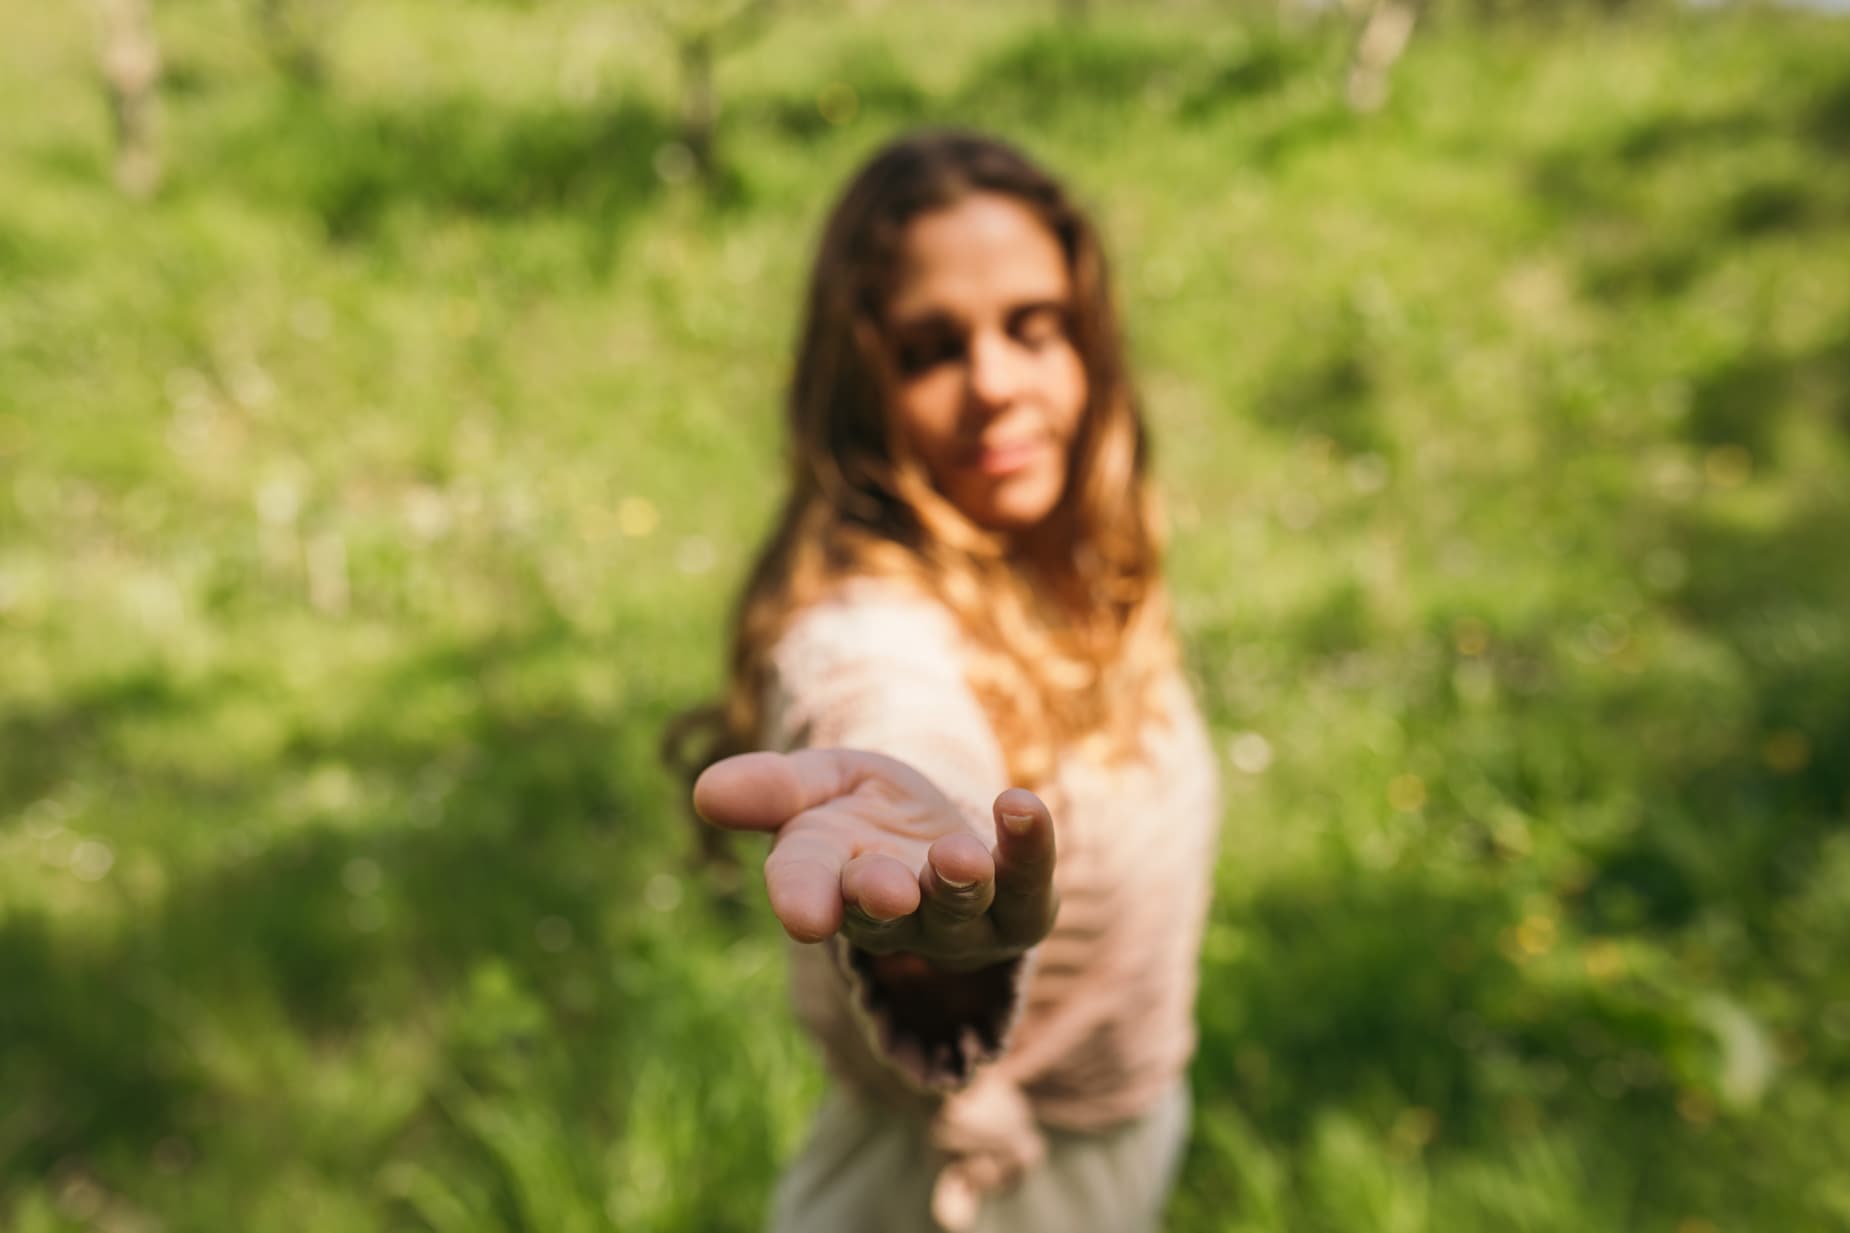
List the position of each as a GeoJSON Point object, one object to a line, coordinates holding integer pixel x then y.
{"type": "Point", "coordinates": [1067, 623]}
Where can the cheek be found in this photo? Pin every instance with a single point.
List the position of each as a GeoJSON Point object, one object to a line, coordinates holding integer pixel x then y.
{"type": "Point", "coordinates": [925, 412]}
{"type": "Point", "coordinates": [1069, 393]}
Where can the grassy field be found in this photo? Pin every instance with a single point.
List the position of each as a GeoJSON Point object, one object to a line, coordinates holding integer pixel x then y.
{"type": "Point", "coordinates": [371, 496]}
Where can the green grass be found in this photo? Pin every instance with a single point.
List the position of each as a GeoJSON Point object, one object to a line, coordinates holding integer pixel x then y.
{"type": "Point", "coordinates": [370, 497]}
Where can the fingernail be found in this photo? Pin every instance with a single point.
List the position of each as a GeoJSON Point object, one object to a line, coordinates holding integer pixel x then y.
{"type": "Point", "coordinates": [953, 883]}
{"type": "Point", "coordinates": [1018, 822]}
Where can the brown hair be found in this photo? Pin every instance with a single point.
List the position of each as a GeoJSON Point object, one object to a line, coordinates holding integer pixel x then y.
{"type": "Point", "coordinates": [1068, 621]}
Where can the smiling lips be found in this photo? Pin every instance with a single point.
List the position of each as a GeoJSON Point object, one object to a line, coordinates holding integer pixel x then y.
{"type": "Point", "coordinates": [1004, 458]}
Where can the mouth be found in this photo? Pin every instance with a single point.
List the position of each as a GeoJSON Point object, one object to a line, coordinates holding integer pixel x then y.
{"type": "Point", "coordinates": [1004, 458]}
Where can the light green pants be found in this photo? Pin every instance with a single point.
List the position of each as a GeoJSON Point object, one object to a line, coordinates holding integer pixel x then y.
{"type": "Point", "coordinates": [868, 1169]}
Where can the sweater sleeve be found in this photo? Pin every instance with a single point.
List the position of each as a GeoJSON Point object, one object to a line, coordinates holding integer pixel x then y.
{"type": "Point", "coordinates": [880, 669]}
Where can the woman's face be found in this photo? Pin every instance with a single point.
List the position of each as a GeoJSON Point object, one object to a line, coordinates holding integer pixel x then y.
{"type": "Point", "coordinates": [989, 387]}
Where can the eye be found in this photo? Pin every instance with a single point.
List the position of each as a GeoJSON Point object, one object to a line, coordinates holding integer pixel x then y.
{"type": "Point", "coordinates": [917, 354]}
{"type": "Point", "coordinates": [1040, 326]}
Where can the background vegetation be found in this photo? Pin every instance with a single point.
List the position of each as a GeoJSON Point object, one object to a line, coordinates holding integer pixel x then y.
{"type": "Point", "coordinates": [372, 491]}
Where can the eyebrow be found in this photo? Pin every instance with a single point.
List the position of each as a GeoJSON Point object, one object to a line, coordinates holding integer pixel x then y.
{"type": "Point", "coordinates": [937, 319]}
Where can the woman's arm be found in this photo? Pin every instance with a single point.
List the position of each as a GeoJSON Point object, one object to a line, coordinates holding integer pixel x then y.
{"type": "Point", "coordinates": [882, 849]}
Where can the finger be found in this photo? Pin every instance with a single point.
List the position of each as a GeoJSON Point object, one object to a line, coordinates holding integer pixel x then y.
{"type": "Point", "coordinates": [880, 886]}
{"type": "Point", "coordinates": [881, 900]}
{"type": "Point", "coordinates": [762, 791]}
{"type": "Point", "coordinates": [1025, 898]}
{"type": "Point", "coordinates": [958, 881]}
{"type": "Point", "coordinates": [803, 878]}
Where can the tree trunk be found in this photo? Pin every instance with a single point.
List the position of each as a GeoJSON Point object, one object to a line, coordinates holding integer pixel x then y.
{"type": "Point", "coordinates": [699, 104]}
{"type": "Point", "coordinates": [1383, 39]}
{"type": "Point", "coordinates": [295, 38]}
{"type": "Point", "coordinates": [131, 74]}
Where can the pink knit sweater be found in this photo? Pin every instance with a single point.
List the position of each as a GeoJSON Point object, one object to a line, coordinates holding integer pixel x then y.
{"type": "Point", "coordinates": [1097, 1022]}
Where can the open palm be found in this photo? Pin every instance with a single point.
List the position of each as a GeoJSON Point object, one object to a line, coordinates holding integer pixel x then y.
{"type": "Point", "coordinates": [866, 846]}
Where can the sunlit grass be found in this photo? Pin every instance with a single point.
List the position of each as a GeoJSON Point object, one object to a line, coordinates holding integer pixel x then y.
{"type": "Point", "coordinates": [371, 497]}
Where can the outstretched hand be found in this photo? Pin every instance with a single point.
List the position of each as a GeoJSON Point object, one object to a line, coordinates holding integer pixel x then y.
{"type": "Point", "coordinates": [865, 845]}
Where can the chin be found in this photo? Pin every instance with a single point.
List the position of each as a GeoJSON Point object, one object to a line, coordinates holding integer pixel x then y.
{"type": "Point", "coordinates": [1015, 505]}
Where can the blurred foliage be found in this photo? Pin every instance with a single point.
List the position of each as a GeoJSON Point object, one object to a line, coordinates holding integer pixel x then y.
{"type": "Point", "coordinates": [297, 33]}
{"type": "Point", "coordinates": [371, 495]}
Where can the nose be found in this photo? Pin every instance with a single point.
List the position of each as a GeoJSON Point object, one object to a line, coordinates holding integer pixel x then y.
{"type": "Point", "coordinates": [995, 372]}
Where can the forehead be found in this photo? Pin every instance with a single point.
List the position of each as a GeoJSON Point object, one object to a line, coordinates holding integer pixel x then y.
{"type": "Point", "coordinates": [985, 253]}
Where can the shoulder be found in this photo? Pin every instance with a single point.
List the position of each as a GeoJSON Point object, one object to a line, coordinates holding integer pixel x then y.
{"type": "Point", "coordinates": [877, 665]}
{"type": "Point", "coordinates": [868, 619]}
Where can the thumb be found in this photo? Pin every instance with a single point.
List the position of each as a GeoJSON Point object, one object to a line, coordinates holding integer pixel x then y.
{"type": "Point", "coordinates": [955, 1200]}
{"type": "Point", "coordinates": [1026, 901]}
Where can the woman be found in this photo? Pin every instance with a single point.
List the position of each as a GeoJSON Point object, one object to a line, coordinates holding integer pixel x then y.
{"type": "Point", "coordinates": [957, 635]}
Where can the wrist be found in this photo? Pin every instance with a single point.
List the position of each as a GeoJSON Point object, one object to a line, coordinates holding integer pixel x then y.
{"type": "Point", "coordinates": [926, 986]}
